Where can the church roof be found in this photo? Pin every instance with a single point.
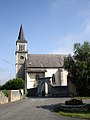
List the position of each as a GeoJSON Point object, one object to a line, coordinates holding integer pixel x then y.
{"type": "Point", "coordinates": [21, 37]}
{"type": "Point", "coordinates": [45, 60]}
{"type": "Point", "coordinates": [32, 70]}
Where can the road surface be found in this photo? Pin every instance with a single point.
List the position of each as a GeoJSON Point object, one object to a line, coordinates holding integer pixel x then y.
{"type": "Point", "coordinates": [32, 109]}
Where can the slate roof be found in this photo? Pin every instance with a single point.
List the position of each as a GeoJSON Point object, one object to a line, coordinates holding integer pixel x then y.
{"type": "Point", "coordinates": [45, 60]}
{"type": "Point", "coordinates": [21, 37]}
{"type": "Point", "coordinates": [32, 70]}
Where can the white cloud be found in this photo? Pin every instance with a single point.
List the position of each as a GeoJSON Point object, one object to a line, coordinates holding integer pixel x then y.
{"type": "Point", "coordinates": [65, 44]}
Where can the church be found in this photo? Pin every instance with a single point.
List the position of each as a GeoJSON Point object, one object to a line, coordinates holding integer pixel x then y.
{"type": "Point", "coordinates": [44, 74]}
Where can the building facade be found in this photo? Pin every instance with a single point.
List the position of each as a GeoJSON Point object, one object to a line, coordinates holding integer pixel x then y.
{"type": "Point", "coordinates": [43, 72]}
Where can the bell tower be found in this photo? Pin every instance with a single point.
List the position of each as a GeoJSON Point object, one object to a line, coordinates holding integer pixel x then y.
{"type": "Point", "coordinates": [21, 54]}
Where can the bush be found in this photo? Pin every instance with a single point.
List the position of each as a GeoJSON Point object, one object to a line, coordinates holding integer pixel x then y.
{"type": "Point", "coordinates": [6, 92]}
{"type": "Point", "coordinates": [14, 84]}
{"type": "Point", "coordinates": [74, 102]}
{"type": "Point", "coordinates": [0, 87]}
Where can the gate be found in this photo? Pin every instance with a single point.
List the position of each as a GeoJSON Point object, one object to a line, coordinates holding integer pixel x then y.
{"type": "Point", "coordinates": [44, 86]}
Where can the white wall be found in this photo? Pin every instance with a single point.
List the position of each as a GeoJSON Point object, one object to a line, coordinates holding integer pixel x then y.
{"type": "Point", "coordinates": [52, 71]}
{"type": "Point", "coordinates": [60, 77]}
{"type": "Point", "coordinates": [64, 77]}
{"type": "Point", "coordinates": [30, 80]}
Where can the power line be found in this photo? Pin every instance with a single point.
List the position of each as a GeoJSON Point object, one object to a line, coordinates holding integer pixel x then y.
{"type": "Point", "coordinates": [7, 62]}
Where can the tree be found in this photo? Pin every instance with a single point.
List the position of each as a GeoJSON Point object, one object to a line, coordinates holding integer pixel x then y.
{"type": "Point", "coordinates": [14, 84]}
{"type": "Point", "coordinates": [0, 87]}
{"type": "Point", "coordinates": [78, 67]}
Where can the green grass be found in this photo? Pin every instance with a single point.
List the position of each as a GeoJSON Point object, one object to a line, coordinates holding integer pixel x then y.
{"type": "Point", "coordinates": [76, 115]}
{"type": "Point", "coordinates": [83, 98]}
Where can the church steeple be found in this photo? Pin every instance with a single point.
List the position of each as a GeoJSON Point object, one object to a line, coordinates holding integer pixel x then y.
{"type": "Point", "coordinates": [21, 54]}
{"type": "Point", "coordinates": [21, 37]}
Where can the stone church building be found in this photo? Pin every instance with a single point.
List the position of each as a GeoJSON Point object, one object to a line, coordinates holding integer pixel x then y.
{"type": "Point", "coordinates": [44, 74]}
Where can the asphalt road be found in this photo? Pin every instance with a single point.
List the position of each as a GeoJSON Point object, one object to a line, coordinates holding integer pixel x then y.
{"type": "Point", "coordinates": [32, 109]}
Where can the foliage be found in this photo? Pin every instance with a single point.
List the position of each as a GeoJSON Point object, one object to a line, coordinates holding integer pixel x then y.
{"type": "Point", "coordinates": [14, 84]}
{"type": "Point", "coordinates": [6, 92]}
{"type": "Point", "coordinates": [0, 87]}
{"type": "Point", "coordinates": [78, 67]}
{"type": "Point", "coordinates": [74, 102]}
{"type": "Point", "coordinates": [83, 98]}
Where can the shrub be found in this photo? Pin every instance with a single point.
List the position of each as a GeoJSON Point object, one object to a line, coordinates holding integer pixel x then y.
{"type": "Point", "coordinates": [14, 84]}
{"type": "Point", "coordinates": [74, 102]}
{"type": "Point", "coordinates": [0, 87]}
{"type": "Point", "coordinates": [6, 92]}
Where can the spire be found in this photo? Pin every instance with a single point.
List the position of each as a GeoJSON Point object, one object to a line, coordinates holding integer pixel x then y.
{"type": "Point", "coordinates": [21, 35]}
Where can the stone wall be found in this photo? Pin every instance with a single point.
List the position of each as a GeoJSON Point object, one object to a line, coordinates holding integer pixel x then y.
{"type": "Point", "coordinates": [74, 108]}
{"type": "Point", "coordinates": [32, 92]}
{"type": "Point", "coordinates": [61, 91]}
{"type": "Point", "coordinates": [14, 96]}
{"type": "Point", "coordinates": [3, 98]}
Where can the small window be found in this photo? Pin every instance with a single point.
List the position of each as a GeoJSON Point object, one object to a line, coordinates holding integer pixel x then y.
{"type": "Point", "coordinates": [21, 47]}
{"type": "Point", "coordinates": [53, 78]}
{"type": "Point", "coordinates": [37, 76]}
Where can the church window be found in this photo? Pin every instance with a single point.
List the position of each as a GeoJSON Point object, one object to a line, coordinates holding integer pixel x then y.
{"type": "Point", "coordinates": [53, 78]}
{"type": "Point", "coordinates": [37, 76]}
{"type": "Point", "coordinates": [21, 47]}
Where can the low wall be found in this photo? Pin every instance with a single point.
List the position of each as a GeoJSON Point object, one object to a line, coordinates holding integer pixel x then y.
{"type": "Point", "coordinates": [14, 96]}
{"type": "Point", "coordinates": [74, 108]}
{"type": "Point", "coordinates": [32, 92]}
{"type": "Point", "coordinates": [3, 98]}
{"type": "Point", "coordinates": [61, 91]}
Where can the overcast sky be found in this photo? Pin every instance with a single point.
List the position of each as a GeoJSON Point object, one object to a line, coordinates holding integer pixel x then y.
{"type": "Point", "coordinates": [50, 26]}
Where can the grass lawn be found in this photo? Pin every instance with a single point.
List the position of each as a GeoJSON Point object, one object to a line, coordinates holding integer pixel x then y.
{"type": "Point", "coordinates": [76, 115]}
{"type": "Point", "coordinates": [83, 98]}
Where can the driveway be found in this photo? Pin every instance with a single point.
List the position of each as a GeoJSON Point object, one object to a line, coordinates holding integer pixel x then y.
{"type": "Point", "coordinates": [32, 109]}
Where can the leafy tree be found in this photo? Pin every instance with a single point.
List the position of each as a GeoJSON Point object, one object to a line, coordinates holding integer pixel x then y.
{"type": "Point", "coordinates": [14, 84]}
{"type": "Point", "coordinates": [78, 67]}
{"type": "Point", "coordinates": [0, 87]}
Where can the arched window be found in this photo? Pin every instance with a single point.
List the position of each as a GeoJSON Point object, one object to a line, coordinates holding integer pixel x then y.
{"type": "Point", "coordinates": [21, 47]}
{"type": "Point", "coordinates": [53, 78]}
{"type": "Point", "coordinates": [37, 76]}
